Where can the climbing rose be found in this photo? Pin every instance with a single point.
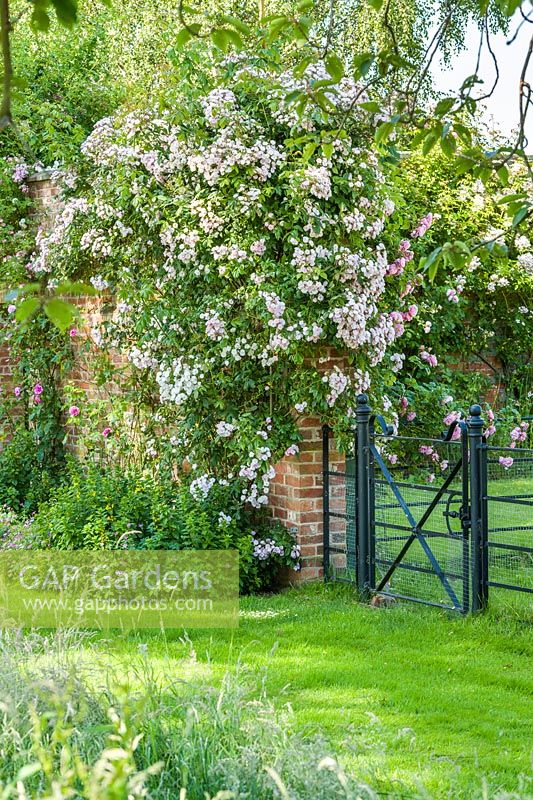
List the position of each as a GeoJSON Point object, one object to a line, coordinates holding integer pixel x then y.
{"type": "Point", "coordinates": [17, 391]}
{"type": "Point", "coordinates": [292, 450]}
{"type": "Point", "coordinates": [106, 432]}
{"type": "Point", "coordinates": [74, 411]}
{"type": "Point", "coordinates": [38, 389]}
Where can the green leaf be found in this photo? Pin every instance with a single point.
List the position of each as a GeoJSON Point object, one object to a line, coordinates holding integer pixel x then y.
{"type": "Point", "coordinates": [76, 288]}
{"type": "Point", "coordinates": [220, 39]}
{"type": "Point", "coordinates": [430, 263]}
{"type": "Point", "coordinates": [234, 38]}
{"type": "Point", "coordinates": [463, 132]}
{"type": "Point", "coordinates": [66, 11]}
{"type": "Point", "coordinates": [429, 142]}
{"type": "Point", "coordinates": [302, 65]}
{"type": "Point", "coordinates": [27, 308]}
{"type": "Point", "coordinates": [238, 24]}
{"type": "Point", "coordinates": [327, 149]}
{"type": "Point", "coordinates": [372, 106]}
{"type": "Point", "coordinates": [520, 214]}
{"type": "Point", "coordinates": [509, 198]}
{"type": "Point", "coordinates": [510, 6]}
{"type": "Point", "coordinates": [182, 38]}
{"type": "Point", "coordinates": [276, 26]}
{"type": "Point", "coordinates": [444, 105]}
{"type": "Point", "coordinates": [292, 97]}
{"type": "Point", "coordinates": [304, 5]}
{"type": "Point", "coordinates": [376, 4]}
{"type": "Point", "coordinates": [503, 175]}
{"type": "Point", "coordinates": [40, 19]}
{"type": "Point", "coordinates": [383, 132]}
{"type": "Point", "coordinates": [308, 150]}
{"type": "Point", "coordinates": [59, 312]}
{"type": "Point", "coordinates": [432, 271]}
{"type": "Point", "coordinates": [335, 67]}
{"type": "Point", "coordinates": [463, 164]}
{"type": "Point", "coordinates": [363, 64]}
{"type": "Point", "coordinates": [448, 146]}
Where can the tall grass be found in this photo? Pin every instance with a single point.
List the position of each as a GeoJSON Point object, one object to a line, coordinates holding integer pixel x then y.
{"type": "Point", "coordinates": [69, 730]}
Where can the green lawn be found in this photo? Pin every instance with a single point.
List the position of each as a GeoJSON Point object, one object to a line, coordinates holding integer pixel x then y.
{"type": "Point", "coordinates": [407, 695]}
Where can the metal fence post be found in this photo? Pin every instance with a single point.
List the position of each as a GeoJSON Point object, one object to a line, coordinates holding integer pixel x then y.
{"type": "Point", "coordinates": [363, 494]}
{"type": "Point", "coordinates": [371, 510]}
{"type": "Point", "coordinates": [325, 497]}
{"type": "Point", "coordinates": [478, 527]}
{"type": "Point", "coordinates": [484, 508]}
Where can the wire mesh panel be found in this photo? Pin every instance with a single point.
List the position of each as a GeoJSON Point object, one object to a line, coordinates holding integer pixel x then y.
{"type": "Point", "coordinates": [419, 505]}
{"type": "Point", "coordinates": [508, 506]}
{"type": "Point", "coordinates": [341, 524]}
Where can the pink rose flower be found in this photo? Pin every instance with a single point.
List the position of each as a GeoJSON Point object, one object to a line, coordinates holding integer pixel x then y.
{"type": "Point", "coordinates": [17, 391]}
{"type": "Point", "coordinates": [429, 358]}
{"type": "Point", "coordinates": [453, 416]}
{"type": "Point", "coordinates": [506, 461]}
{"type": "Point", "coordinates": [73, 332]}
{"type": "Point", "coordinates": [74, 411]}
{"type": "Point", "coordinates": [38, 389]}
{"type": "Point", "coordinates": [411, 415]}
{"type": "Point", "coordinates": [106, 432]}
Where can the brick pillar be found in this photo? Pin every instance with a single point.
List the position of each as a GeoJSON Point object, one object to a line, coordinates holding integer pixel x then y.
{"type": "Point", "coordinates": [45, 195]}
{"type": "Point", "coordinates": [296, 491]}
{"type": "Point", "coordinates": [296, 496]}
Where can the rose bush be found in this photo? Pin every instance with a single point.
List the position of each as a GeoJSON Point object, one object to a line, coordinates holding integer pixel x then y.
{"type": "Point", "coordinates": [242, 242]}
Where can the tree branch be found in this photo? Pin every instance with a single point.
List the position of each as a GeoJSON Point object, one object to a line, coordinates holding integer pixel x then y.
{"type": "Point", "coordinates": [6, 118]}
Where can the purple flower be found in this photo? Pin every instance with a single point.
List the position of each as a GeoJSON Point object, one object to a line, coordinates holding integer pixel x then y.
{"type": "Point", "coordinates": [73, 332]}
{"type": "Point", "coordinates": [422, 226]}
{"type": "Point", "coordinates": [106, 432]}
{"type": "Point", "coordinates": [17, 391]}
{"type": "Point", "coordinates": [506, 461]}
{"type": "Point", "coordinates": [38, 389]}
{"type": "Point", "coordinates": [292, 450]}
{"type": "Point", "coordinates": [429, 358]}
{"type": "Point", "coordinates": [74, 411]}
{"type": "Point", "coordinates": [11, 308]}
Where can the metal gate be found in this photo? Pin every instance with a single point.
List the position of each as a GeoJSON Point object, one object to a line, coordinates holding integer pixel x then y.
{"type": "Point", "coordinates": [403, 537]}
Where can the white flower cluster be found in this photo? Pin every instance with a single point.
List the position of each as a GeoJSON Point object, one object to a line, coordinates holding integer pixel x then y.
{"type": "Point", "coordinates": [179, 381]}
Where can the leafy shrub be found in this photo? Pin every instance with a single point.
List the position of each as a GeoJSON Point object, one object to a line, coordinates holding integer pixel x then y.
{"type": "Point", "coordinates": [105, 507]}
{"type": "Point", "coordinates": [24, 480]}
